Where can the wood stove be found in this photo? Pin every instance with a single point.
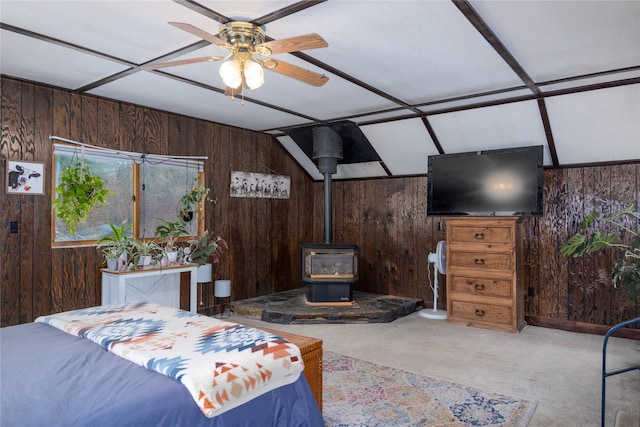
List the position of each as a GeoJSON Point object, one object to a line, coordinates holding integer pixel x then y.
{"type": "Point", "coordinates": [329, 269]}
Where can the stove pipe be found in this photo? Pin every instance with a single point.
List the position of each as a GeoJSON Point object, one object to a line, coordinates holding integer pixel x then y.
{"type": "Point", "coordinates": [327, 150]}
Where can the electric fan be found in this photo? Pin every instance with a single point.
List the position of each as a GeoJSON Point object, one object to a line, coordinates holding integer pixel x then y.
{"type": "Point", "coordinates": [439, 261]}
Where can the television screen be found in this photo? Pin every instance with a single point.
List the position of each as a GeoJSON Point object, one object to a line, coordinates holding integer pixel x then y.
{"type": "Point", "coordinates": [486, 183]}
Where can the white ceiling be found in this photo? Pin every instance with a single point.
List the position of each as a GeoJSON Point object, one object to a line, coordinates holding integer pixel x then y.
{"type": "Point", "coordinates": [419, 77]}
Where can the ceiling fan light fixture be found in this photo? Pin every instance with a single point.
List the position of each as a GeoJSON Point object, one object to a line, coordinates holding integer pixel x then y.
{"type": "Point", "coordinates": [253, 74]}
{"type": "Point", "coordinates": [231, 73]}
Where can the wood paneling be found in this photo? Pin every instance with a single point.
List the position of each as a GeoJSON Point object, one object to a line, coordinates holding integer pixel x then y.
{"type": "Point", "coordinates": [11, 145]}
{"type": "Point", "coordinates": [379, 214]}
{"type": "Point", "coordinates": [386, 218]}
{"type": "Point", "coordinates": [264, 235]}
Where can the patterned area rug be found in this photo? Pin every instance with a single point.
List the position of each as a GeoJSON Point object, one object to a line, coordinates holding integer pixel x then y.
{"type": "Point", "coordinates": [357, 393]}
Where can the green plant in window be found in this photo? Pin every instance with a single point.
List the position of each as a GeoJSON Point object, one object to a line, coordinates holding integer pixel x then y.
{"type": "Point", "coordinates": [79, 191]}
{"type": "Point", "coordinates": [191, 198]}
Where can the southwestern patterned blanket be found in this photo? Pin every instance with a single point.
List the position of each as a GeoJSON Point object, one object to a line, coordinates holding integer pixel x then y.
{"type": "Point", "coordinates": [222, 364]}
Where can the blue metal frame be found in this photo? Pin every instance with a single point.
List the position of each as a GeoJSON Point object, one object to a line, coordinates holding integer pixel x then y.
{"type": "Point", "coordinates": [606, 374]}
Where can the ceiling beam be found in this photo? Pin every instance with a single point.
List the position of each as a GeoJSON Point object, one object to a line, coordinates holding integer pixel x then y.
{"type": "Point", "coordinates": [544, 116]}
{"type": "Point", "coordinates": [62, 43]}
{"type": "Point", "coordinates": [469, 12]}
{"type": "Point", "coordinates": [433, 135]}
{"type": "Point", "coordinates": [285, 11]}
{"type": "Point", "coordinates": [197, 7]}
{"type": "Point", "coordinates": [559, 92]}
{"type": "Point", "coordinates": [179, 52]}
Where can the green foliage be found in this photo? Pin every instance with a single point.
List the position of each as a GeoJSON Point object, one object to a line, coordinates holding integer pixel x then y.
{"type": "Point", "coordinates": [145, 248]}
{"type": "Point", "coordinates": [194, 196]}
{"type": "Point", "coordinates": [118, 242]}
{"type": "Point", "coordinates": [79, 192]}
{"type": "Point", "coordinates": [208, 246]}
{"type": "Point", "coordinates": [169, 232]}
{"type": "Point", "coordinates": [626, 271]}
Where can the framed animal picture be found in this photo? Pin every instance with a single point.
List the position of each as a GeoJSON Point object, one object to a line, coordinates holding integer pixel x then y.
{"type": "Point", "coordinates": [25, 177]}
{"type": "Point", "coordinates": [259, 185]}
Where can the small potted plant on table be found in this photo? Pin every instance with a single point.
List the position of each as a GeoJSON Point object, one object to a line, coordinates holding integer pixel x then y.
{"type": "Point", "coordinates": [117, 246]}
{"type": "Point", "coordinates": [145, 251]}
{"type": "Point", "coordinates": [169, 232]}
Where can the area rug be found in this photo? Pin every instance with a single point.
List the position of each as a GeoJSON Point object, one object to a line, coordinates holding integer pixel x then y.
{"type": "Point", "coordinates": [357, 393]}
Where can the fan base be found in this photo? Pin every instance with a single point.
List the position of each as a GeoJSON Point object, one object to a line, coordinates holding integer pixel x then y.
{"type": "Point", "coordinates": [430, 313]}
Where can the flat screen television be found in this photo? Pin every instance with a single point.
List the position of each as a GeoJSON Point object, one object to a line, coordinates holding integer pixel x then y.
{"type": "Point", "coordinates": [502, 182]}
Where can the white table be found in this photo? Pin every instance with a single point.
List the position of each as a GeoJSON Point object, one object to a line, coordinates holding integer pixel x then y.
{"type": "Point", "coordinates": [154, 284]}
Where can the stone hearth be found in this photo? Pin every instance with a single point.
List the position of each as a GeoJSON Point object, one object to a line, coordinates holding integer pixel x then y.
{"type": "Point", "coordinates": [292, 307]}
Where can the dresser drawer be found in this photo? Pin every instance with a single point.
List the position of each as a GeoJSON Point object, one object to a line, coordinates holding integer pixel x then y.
{"type": "Point", "coordinates": [479, 234]}
{"type": "Point", "coordinates": [500, 288]}
{"type": "Point", "coordinates": [480, 261]}
{"type": "Point", "coordinates": [480, 312]}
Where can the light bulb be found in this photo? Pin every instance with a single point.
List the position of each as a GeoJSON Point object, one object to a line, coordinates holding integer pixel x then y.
{"type": "Point", "coordinates": [253, 74]}
{"type": "Point", "coordinates": [230, 73]}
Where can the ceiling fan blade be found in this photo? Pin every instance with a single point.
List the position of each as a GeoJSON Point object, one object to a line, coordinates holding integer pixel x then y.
{"type": "Point", "coordinates": [309, 41]}
{"type": "Point", "coordinates": [202, 34]}
{"type": "Point", "coordinates": [302, 74]}
{"type": "Point", "coordinates": [149, 67]}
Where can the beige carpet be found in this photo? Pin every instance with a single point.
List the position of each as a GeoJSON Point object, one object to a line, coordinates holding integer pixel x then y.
{"type": "Point", "coordinates": [560, 370]}
{"type": "Point", "coordinates": [627, 419]}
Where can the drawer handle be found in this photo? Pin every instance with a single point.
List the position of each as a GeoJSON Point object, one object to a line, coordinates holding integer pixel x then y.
{"type": "Point", "coordinates": [479, 286]}
{"type": "Point", "coordinates": [479, 312]}
{"type": "Point", "coordinates": [479, 236]}
{"type": "Point", "coordinates": [478, 261]}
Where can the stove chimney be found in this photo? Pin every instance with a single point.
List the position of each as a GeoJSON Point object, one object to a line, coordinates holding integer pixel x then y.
{"type": "Point", "coordinates": [327, 150]}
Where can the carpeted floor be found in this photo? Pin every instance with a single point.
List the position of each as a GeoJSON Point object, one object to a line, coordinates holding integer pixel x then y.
{"type": "Point", "coordinates": [361, 393]}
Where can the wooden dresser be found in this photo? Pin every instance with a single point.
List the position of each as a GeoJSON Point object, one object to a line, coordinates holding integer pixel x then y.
{"type": "Point", "coordinates": [484, 273]}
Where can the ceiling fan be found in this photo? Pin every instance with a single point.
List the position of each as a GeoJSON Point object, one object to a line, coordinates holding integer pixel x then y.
{"type": "Point", "coordinates": [249, 55]}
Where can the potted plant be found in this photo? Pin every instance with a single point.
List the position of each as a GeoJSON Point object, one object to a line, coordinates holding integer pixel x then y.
{"type": "Point", "coordinates": [79, 191]}
{"type": "Point", "coordinates": [117, 245]}
{"type": "Point", "coordinates": [626, 271]}
{"type": "Point", "coordinates": [145, 251]}
{"type": "Point", "coordinates": [191, 199]}
{"type": "Point", "coordinates": [169, 232]}
{"type": "Point", "coordinates": [206, 248]}
{"type": "Point", "coordinates": [111, 256]}
{"type": "Point", "coordinates": [205, 251]}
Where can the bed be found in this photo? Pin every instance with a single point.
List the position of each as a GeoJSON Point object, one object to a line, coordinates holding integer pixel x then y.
{"type": "Point", "coordinates": [58, 371]}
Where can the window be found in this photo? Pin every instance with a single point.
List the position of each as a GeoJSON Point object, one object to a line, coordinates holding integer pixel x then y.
{"type": "Point", "coordinates": [161, 187]}
{"type": "Point", "coordinates": [146, 188]}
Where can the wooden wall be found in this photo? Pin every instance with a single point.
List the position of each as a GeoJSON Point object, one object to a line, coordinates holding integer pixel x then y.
{"type": "Point", "coordinates": [264, 235]}
{"type": "Point", "coordinates": [386, 218]}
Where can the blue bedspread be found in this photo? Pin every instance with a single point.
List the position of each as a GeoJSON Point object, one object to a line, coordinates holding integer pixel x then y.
{"type": "Point", "coordinates": [48, 377]}
{"type": "Point", "coordinates": [222, 364]}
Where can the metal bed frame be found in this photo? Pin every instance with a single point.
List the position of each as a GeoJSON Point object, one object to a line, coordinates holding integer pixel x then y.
{"type": "Point", "coordinates": [606, 374]}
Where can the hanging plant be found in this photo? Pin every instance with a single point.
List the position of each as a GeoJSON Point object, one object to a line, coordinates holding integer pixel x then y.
{"type": "Point", "coordinates": [79, 191]}
{"type": "Point", "coordinates": [191, 198]}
